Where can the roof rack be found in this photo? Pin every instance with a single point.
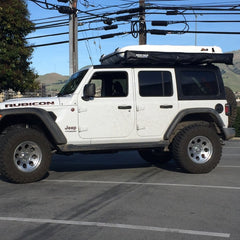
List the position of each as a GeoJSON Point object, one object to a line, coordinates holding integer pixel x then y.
{"type": "Point", "coordinates": [166, 54]}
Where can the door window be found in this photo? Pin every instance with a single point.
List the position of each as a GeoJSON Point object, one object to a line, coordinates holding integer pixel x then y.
{"type": "Point", "coordinates": [110, 84]}
{"type": "Point", "coordinates": [155, 83]}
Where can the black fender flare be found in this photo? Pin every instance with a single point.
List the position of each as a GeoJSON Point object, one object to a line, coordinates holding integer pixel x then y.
{"type": "Point", "coordinates": [184, 113]}
{"type": "Point", "coordinates": [43, 115]}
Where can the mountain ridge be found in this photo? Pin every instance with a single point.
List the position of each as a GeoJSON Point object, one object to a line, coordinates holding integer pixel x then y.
{"type": "Point", "coordinates": [231, 73]}
{"type": "Point", "coordinates": [52, 81]}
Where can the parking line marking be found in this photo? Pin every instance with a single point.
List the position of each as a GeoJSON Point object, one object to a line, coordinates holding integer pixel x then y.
{"type": "Point", "coordinates": [116, 225]}
{"type": "Point", "coordinates": [231, 154]}
{"type": "Point", "coordinates": [228, 166]}
{"type": "Point", "coordinates": [230, 147]}
{"type": "Point", "coordinates": [144, 184]}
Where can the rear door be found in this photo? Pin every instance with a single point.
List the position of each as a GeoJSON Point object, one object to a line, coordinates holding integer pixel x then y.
{"type": "Point", "coordinates": [156, 100]}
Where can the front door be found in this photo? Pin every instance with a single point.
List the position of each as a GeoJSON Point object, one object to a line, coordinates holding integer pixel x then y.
{"type": "Point", "coordinates": [110, 114]}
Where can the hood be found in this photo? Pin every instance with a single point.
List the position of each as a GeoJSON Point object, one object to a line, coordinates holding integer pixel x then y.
{"type": "Point", "coordinates": [42, 102]}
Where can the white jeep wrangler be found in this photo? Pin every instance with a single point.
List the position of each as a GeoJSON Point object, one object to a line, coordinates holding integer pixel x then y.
{"type": "Point", "coordinates": [166, 102]}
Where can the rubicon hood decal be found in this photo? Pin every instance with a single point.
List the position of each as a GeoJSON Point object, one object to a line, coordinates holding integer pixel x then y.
{"type": "Point", "coordinates": [30, 102]}
{"type": "Point", "coordinates": [26, 104]}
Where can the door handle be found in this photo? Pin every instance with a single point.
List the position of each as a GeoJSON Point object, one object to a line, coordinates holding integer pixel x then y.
{"type": "Point", "coordinates": [166, 106]}
{"type": "Point", "coordinates": [124, 107]}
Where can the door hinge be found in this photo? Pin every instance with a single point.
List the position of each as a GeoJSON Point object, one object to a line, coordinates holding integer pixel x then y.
{"type": "Point", "coordinates": [80, 110]}
{"type": "Point", "coordinates": [83, 129]}
{"type": "Point", "coordinates": [140, 127]}
{"type": "Point", "coordinates": [140, 108]}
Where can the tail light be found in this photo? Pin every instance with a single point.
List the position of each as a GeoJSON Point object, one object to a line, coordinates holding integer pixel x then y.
{"type": "Point", "coordinates": [227, 109]}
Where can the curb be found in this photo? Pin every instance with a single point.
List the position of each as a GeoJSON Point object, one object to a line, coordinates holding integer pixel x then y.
{"type": "Point", "coordinates": [236, 139]}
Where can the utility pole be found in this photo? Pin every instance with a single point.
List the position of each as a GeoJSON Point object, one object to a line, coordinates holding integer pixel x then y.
{"type": "Point", "coordinates": [142, 23]}
{"type": "Point", "coordinates": [73, 39]}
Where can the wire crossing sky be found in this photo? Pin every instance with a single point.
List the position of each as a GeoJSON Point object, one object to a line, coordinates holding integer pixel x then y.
{"type": "Point", "coordinates": [105, 25]}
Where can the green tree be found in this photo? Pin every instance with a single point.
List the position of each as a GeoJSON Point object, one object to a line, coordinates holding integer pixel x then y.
{"type": "Point", "coordinates": [15, 53]}
{"type": "Point", "coordinates": [237, 123]}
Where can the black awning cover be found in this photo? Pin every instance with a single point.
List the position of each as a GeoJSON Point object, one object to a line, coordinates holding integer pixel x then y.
{"type": "Point", "coordinates": [138, 58]}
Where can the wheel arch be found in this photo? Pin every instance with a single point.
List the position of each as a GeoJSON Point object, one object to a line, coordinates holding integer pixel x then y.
{"type": "Point", "coordinates": [35, 118]}
{"type": "Point", "coordinates": [190, 116]}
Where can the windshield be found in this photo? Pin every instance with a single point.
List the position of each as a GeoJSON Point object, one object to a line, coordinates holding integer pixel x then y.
{"type": "Point", "coordinates": [72, 83]}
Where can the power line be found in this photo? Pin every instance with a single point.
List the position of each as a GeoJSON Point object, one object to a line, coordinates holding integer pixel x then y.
{"type": "Point", "coordinates": [58, 21]}
{"type": "Point", "coordinates": [83, 39]}
{"type": "Point", "coordinates": [165, 32]}
{"type": "Point", "coordinates": [53, 25]}
{"type": "Point", "coordinates": [109, 14]}
{"type": "Point", "coordinates": [151, 31]}
{"type": "Point", "coordinates": [83, 30]}
{"type": "Point", "coordinates": [42, 19]}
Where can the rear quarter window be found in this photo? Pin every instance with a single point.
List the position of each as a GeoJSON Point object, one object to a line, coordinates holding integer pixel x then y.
{"type": "Point", "coordinates": [199, 84]}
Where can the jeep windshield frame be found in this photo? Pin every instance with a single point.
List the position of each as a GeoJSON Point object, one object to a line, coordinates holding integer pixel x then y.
{"type": "Point", "coordinates": [72, 83]}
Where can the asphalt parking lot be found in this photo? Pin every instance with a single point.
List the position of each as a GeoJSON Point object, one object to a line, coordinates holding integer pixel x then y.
{"type": "Point", "coordinates": [119, 196]}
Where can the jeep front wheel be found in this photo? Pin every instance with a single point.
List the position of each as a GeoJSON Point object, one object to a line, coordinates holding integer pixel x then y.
{"type": "Point", "coordinates": [197, 149]}
{"type": "Point", "coordinates": [25, 155]}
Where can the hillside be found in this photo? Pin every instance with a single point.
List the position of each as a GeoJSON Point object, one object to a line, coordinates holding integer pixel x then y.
{"type": "Point", "coordinates": [231, 73]}
{"type": "Point", "coordinates": [52, 81]}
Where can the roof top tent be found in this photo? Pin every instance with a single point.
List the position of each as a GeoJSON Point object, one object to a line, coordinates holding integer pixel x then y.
{"type": "Point", "coordinates": [166, 54]}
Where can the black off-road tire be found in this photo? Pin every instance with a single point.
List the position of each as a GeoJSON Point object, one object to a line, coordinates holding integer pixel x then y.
{"type": "Point", "coordinates": [25, 155]}
{"type": "Point", "coordinates": [155, 156]}
{"type": "Point", "coordinates": [231, 100]}
{"type": "Point", "coordinates": [197, 149]}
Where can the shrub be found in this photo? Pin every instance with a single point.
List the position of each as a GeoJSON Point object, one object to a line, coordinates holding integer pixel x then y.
{"type": "Point", "coordinates": [237, 123]}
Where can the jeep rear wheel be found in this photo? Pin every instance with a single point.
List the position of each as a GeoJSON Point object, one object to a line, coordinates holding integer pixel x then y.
{"type": "Point", "coordinates": [197, 149]}
{"type": "Point", "coordinates": [25, 155]}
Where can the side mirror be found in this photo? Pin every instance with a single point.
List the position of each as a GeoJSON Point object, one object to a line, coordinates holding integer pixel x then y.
{"type": "Point", "coordinates": [89, 90]}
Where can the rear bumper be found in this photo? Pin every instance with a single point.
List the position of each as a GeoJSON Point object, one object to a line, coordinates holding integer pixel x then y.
{"type": "Point", "coordinates": [229, 133]}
